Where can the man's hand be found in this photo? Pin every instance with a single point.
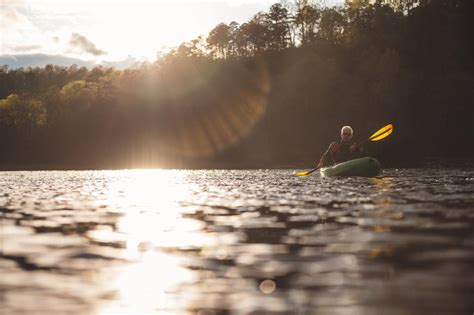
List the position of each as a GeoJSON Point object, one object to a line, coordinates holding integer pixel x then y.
{"type": "Point", "coordinates": [356, 148]}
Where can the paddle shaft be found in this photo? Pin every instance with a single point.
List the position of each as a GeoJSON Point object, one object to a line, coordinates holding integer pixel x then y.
{"type": "Point", "coordinates": [313, 170]}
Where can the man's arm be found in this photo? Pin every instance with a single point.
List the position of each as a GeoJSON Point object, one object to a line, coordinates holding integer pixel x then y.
{"type": "Point", "coordinates": [327, 158]}
{"type": "Point", "coordinates": [357, 150]}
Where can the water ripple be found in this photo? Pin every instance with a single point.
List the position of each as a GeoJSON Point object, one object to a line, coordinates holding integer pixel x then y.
{"type": "Point", "coordinates": [236, 242]}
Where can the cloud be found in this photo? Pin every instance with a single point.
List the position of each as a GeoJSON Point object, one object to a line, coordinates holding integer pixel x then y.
{"type": "Point", "coordinates": [17, 31]}
{"type": "Point", "coordinates": [25, 48]}
{"type": "Point", "coordinates": [81, 43]}
{"type": "Point", "coordinates": [9, 17]}
{"type": "Point", "coordinates": [129, 62]}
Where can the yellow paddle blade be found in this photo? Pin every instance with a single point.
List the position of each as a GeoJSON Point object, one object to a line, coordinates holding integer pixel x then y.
{"type": "Point", "coordinates": [306, 173]}
{"type": "Point", "coordinates": [382, 133]}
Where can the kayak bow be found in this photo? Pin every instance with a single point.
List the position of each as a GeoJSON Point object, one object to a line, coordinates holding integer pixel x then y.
{"type": "Point", "coordinates": [366, 166]}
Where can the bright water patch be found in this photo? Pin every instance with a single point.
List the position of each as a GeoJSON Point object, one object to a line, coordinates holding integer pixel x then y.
{"type": "Point", "coordinates": [236, 242]}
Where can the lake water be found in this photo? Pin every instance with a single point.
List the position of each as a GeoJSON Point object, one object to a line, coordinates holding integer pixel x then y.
{"type": "Point", "coordinates": [236, 242]}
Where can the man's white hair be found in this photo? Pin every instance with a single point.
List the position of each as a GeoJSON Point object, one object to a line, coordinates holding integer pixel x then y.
{"type": "Point", "coordinates": [347, 128]}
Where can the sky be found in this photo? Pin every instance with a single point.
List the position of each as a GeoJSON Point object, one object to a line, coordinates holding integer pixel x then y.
{"type": "Point", "coordinates": [108, 31]}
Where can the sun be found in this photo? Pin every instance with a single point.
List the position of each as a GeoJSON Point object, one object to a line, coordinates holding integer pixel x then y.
{"type": "Point", "coordinates": [142, 29]}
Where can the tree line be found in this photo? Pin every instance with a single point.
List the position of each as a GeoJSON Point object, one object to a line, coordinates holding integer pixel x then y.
{"type": "Point", "coordinates": [271, 92]}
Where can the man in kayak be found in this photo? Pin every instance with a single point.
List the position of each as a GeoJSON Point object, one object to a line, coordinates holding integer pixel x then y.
{"type": "Point", "coordinates": [342, 150]}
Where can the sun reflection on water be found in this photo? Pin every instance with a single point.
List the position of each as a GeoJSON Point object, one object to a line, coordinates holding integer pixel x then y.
{"type": "Point", "coordinates": [151, 225]}
{"type": "Point", "coordinates": [149, 286]}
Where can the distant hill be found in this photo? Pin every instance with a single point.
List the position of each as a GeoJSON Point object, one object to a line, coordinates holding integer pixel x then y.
{"type": "Point", "coordinates": [41, 60]}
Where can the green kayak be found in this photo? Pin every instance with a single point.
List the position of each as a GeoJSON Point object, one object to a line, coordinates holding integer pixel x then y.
{"type": "Point", "coordinates": [365, 166]}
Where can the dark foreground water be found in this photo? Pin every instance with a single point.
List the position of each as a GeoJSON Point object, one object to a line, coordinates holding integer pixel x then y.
{"type": "Point", "coordinates": [236, 242]}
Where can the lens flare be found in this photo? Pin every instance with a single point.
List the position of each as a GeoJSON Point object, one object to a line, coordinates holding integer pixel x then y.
{"type": "Point", "coordinates": [200, 110]}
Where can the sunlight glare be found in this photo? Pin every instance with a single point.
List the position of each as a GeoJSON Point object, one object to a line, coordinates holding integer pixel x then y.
{"type": "Point", "coordinates": [153, 217]}
{"type": "Point", "coordinates": [151, 225]}
{"type": "Point", "coordinates": [140, 28]}
{"type": "Point", "coordinates": [149, 286]}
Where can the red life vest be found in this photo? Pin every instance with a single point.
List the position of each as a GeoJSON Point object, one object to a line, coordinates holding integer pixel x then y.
{"type": "Point", "coordinates": [338, 152]}
{"type": "Point", "coordinates": [341, 151]}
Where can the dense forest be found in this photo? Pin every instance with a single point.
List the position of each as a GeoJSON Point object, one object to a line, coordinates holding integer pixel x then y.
{"type": "Point", "coordinates": [271, 92]}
